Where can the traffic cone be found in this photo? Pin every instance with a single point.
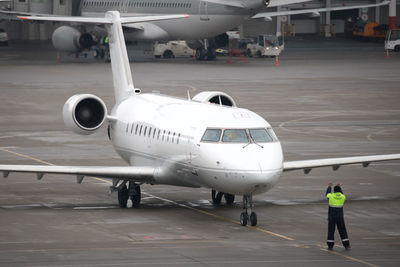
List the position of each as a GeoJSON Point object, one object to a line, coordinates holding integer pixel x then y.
{"type": "Point", "coordinates": [387, 53]}
{"type": "Point", "coordinates": [276, 61]}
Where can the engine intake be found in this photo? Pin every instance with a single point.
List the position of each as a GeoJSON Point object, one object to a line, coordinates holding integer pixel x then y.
{"type": "Point", "coordinates": [215, 97]}
{"type": "Point", "coordinates": [84, 113]}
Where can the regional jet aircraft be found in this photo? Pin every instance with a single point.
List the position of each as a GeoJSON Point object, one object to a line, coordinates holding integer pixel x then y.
{"type": "Point", "coordinates": [206, 141]}
{"type": "Point", "coordinates": [204, 29]}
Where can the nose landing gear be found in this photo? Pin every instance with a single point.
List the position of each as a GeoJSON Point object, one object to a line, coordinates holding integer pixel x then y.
{"type": "Point", "coordinates": [248, 214]}
{"type": "Point", "coordinates": [217, 197]}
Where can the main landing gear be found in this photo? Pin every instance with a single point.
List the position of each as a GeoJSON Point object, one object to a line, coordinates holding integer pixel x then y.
{"type": "Point", "coordinates": [131, 191]}
{"type": "Point", "coordinates": [248, 214]}
{"type": "Point", "coordinates": [217, 197]}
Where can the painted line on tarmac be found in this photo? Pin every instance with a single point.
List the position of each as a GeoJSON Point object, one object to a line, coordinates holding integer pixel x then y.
{"type": "Point", "coordinates": [26, 156]}
{"type": "Point", "coordinates": [349, 258]}
{"type": "Point", "coordinates": [192, 87]}
{"type": "Point", "coordinates": [164, 199]}
{"type": "Point", "coordinates": [282, 125]}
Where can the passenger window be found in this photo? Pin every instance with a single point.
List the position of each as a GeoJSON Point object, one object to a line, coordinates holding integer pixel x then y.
{"type": "Point", "coordinates": [168, 136]}
{"type": "Point", "coordinates": [132, 128]}
{"type": "Point", "coordinates": [177, 140]}
{"type": "Point", "coordinates": [158, 135]}
{"type": "Point", "coordinates": [127, 127]}
{"type": "Point", "coordinates": [140, 131]}
{"type": "Point", "coordinates": [145, 130]}
{"type": "Point", "coordinates": [163, 135]}
{"type": "Point", "coordinates": [211, 135]}
{"type": "Point", "coordinates": [235, 136]}
{"type": "Point", "coordinates": [137, 126]}
{"type": "Point", "coordinates": [173, 138]}
{"type": "Point", "coordinates": [154, 132]}
{"type": "Point", "coordinates": [260, 136]}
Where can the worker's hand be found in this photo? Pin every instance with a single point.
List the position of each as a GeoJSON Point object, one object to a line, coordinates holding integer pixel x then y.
{"type": "Point", "coordinates": [330, 183]}
{"type": "Point", "coordinates": [339, 184]}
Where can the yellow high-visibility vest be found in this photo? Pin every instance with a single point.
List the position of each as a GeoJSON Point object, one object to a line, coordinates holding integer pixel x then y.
{"type": "Point", "coordinates": [336, 200]}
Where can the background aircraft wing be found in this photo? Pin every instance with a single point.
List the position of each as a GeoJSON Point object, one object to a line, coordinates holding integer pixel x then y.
{"type": "Point", "coordinates": [313, 11]}
{"type": "Point", "coordinates": [137, 174]}
{"type": "Point", "coordinates": [335, 163]}
{"type": "Point", "coordinates": [105, 20]}
{"type": "Point", "coordinates": [226, 3]}
{"type": "Point", "coordinates": [275, 3]}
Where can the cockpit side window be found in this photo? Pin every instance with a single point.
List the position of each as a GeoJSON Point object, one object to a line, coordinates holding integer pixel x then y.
{"type": "Point", "coordinates": [272, 134]}
{"type": "Point", "coordinates": [260, 136]}
{"type": "Point", "coordinates": [235, 136]}
{"type": "Point", "coordinates": [212, 135]}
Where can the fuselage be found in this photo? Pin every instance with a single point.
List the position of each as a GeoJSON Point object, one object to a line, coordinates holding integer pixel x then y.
{"type": "Point", "coordinates": [168, 132]}
{"type": "Point", "coordinates": [206, 19]}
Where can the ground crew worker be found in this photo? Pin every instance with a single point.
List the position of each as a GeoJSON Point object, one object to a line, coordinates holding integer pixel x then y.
{"type": "Point", "coordinates": [335, 216]}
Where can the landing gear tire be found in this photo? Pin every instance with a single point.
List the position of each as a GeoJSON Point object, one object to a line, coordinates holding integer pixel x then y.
{"type": "Point", "coordinates": [200, 53]}
{"type": "Point", "coordinates": [168, 54]}
{"type": "Point", "coordinates": [248, 53]}
{"type": "Point", "coordinates": [247, 206]}
{"type": "Point", "coordinates": [211, 54]}
{"type": "Point", "coordinates": [244, 218]}
{"type": "Point", "coordinates": [123, 196]}
{"type": "Point", "coordinates": [253, 219]}
{"type": "Point", "coordinates": [229, 199]}
{"type": "Point", "coordinates": [216, 197]}
{"type": "Point", "coordinates": [135, 194]}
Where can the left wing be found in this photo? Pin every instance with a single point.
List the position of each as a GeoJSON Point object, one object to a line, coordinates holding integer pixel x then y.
{"type": "Point", "coordinates": [137, 174]}
{"type": "Point", "coordinates": [335, 163]}
{"type": "Point", "coordinates": [314, 11]}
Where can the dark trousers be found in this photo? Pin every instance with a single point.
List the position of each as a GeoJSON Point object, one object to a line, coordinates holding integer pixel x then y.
{"type": "Point", "coordinates": [333, 221]}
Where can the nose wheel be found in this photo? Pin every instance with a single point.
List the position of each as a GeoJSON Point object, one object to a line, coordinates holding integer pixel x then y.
{"type": "Point", "coordinates": [248, 215]}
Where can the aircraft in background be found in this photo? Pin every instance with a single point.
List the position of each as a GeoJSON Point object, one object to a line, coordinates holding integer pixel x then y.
{"type": "Point", "coordinates": [204, 31]}
{"type": "Point", "coordinates": [206, 141]}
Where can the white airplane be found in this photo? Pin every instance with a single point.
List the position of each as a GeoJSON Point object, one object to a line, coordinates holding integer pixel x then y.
{"type": "Point", "coordinates": [205, 29]}
{"type": "Point", "coordinates": [206, 141]}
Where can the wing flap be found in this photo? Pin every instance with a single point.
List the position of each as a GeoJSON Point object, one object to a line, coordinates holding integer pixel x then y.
{"type": "Point", "coordinates": [138, 174]}
{"type": "Point", "coordinates": [335, 163]}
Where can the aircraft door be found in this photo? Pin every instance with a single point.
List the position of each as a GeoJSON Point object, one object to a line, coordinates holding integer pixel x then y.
{"type": "Point", "coordinates": [203, 11]}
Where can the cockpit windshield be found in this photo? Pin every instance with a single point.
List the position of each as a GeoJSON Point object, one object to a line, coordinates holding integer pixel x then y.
{"type": "Point", "coordinates": [212, 135]}
{"type": "Point", "coordinates": [259, 135]}
{"type": "Point", "coordinates": [235, 136]}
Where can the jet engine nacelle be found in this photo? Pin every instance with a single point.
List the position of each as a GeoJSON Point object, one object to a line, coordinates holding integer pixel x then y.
{"type": "Point", "coordinates": [255, 5]}
{"type": "Point", "coordinates": [215, 97]}
{"type": "Point", "coordinates": [69, 39]}
{"type": "Point", "coordinates": [84, 113]}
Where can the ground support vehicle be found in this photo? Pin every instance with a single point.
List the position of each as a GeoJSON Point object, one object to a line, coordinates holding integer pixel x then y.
{"type": "Point", "coordinates": [266, 46]}
{"type": "Point", "coordinates": [392, 41]}
{"type": "Point", "coordinates": [173, 49]}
